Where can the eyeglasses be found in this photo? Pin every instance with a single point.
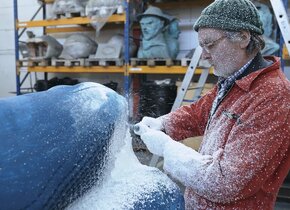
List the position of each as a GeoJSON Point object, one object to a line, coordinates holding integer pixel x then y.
{"type": "Point", "coordinates": [210, 45]}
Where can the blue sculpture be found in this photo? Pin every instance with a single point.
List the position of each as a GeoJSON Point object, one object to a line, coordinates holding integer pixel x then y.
{"type": "Point", "coordinates": [57, 144]}
{"type": "Point", "coordinates": [153, 44]}
{"type": "Point", "coordinates": [160, 34]}
{"type": "Point", "coordinates": [53, 144]}
{"type": "Point", "coordinates": [171, 36]}
{"type": "Point", "coordinates": [271, 47]}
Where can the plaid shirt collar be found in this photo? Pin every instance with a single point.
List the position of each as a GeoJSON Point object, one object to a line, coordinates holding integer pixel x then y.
{"type": "Point", "coordinates": [225, 84]}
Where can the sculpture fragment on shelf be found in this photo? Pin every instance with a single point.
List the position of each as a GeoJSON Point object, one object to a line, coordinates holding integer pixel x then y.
{"type": "Point", "coordinates": [99, 11]}
{"type": "Point", "coordinates": [68, 7]}
{"type": "Point", "coordinates": [271, 47]}
{"type": "Point", "coordinates": [160, 34]}
{"type": "Point", "coordinates": [78, 46]}
{"type": "Point", "coordinates": [114, 48]}
{"type": "Point", "coordinates": [42, 47]}
{"type": "Point", "coordinates": [70, 148]}
{"type": "Point", "coordinates": [171, 36]}
{"type": "Point", "coordinates": [84, 2]}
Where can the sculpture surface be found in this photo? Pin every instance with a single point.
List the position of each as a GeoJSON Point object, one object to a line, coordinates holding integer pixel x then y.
{"type": "Point", "coordinates": [61, 7]}
{"type": "Point", "coordinates": [271, 47]}
{"type": "Point", "coordinates": [102, 8]}
{"type": "Point", "coordinates": [42, 47]}
{"type": "Point", "coordinates": [153, 44]}
{"type": "Point", "coordinates": [99, 11]}
{"type": "Point", "coordinates": [171, 36]}
{"type": "Point", "coordinates": [114, 48]}
{"type": "Point", "coordinates": [60, 146]}
{"type": "Point", "coordinates": [79, 46]}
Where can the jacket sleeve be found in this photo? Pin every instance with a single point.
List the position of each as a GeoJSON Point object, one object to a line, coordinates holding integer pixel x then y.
{"type": "Point", "coordinates": [190, 120]}
{"type": "Point", "coordinates": [254, 151]}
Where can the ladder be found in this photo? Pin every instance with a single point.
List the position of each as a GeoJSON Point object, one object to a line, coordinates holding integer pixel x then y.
{"type": "Point", "coordinates": [283, 22]}
{"type": "Point", "coordinates": [184, 87]}
{"type": "Point", "coordinates": [188, 78]}
{"type": "Point", "coordinates": [282, 19]}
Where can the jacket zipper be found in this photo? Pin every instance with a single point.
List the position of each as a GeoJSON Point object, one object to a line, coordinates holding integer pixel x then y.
{"type": "Point", "coordinates": [210, 117]}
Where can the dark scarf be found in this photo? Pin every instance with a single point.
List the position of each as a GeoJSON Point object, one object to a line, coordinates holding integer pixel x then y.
{"type": "Point", "coordinates": [225, 84]}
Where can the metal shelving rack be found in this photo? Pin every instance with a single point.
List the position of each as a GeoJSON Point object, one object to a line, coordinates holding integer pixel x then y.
{"type": "Point", "coordinates": [281, 40]}
{"type": "Point", "coordinates": [16, 38]}
{"type": "Point", "coordinates": [169, 69]}
{"type": "Point", "coordinates": [123, 18]}
{"type": "Point", "coordinates": [127, 69]}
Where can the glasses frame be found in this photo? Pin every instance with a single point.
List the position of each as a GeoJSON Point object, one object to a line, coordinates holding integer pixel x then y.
{"type": "Point", "coordinates": [210, 45]}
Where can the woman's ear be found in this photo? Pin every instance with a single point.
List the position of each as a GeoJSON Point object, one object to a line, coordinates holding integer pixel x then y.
{"type": "Point", "coordinates": [245, 39]}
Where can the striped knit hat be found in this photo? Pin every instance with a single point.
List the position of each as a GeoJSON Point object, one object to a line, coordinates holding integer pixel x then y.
{"type": "Point", "coordinates": [235, 15]}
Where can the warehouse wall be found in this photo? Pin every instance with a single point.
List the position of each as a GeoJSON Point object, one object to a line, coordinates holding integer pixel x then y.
{"type": "Point", "coordinates": [25, 11]}
{"type": "Point", "coordinates": [7, 59]}
{"type": "Point", "coordinates": [7, 49]}
{"type": "Point", "coordinates": [187, 39]}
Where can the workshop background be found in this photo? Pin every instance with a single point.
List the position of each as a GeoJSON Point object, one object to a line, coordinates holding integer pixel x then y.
{"type": "Point", "coordinates": [127, 73]}
{"type": "Point", "coordinates": [26, 9]}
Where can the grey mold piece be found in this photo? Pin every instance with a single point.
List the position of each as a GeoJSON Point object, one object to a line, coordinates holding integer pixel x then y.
{"type": "Point", "coordinates": [84, 2]}
{"type": "Point", "coordinates": [171, 36]}
{"type": "Point", "coordinates": [108, 51]}
{"type": "Point", "coordinates": [271, 47]}
{"type": "Point", "coordinates": [114, 48]}
{"type": "Point", "coordinates": [24, 50]}
{"type": "Point", "coordinates": [102, 8]}
{"type": "Point", "coordinates": [43, 47]}
{"type": "Point", "coordinates": [68, 6]}
{"type": "Point", "coordinates": [78, 46]}
{"type": "Point", "coordinates": [99, 11]}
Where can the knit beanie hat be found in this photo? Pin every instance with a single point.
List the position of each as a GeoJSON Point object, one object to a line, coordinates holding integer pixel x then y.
{"type": "Point", "coordinates": [235, 15]}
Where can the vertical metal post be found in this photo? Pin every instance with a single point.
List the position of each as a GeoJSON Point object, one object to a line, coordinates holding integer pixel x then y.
{"type": "Point", "coordinates": [44, 32]}
{"type": "Point", "coordinates": [285, 2]}
{"type": "Point", "coordinates": [127, 49]}
{"type": "Point", "coordinates": [279, 8]}
{"type": "Point", "coordinates": [281, 41]}
{"type": "Point", "coordinates": [15, 7]}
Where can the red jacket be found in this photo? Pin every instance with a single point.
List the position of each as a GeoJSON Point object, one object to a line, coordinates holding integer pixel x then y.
{"type": "Point", "coordinates": [251, 130]}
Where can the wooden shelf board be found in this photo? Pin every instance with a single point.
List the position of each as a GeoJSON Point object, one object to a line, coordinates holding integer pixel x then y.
{"type": "Point", "coordinates": [48, 1]}
{"type": "Point", "coordinates": [161, 70]}
{"type": "Point", "coordinates": [67, 21]}
{"type": "Point", "coordinates": [77, 69]}
{"type": "Point", "coordinates": [69, 29]}
{"type": "Point", "coordinates": [114, 69]}
{"type": "Point", "coordinates": [79, 28]}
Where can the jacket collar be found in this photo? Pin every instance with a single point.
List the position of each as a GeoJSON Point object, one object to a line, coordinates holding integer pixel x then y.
{"type": "Point", "coordinates": [258, 67]}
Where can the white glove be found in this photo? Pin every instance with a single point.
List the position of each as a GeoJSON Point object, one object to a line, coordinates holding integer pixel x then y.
{"type": "Point", "coordinates": [140, 128]}
{"type": "Point", "coordinates": [154, 140]}
{"type": "Point", "coordinates": [188, 166]}
{"type": "Point", "coordinates": [154, 123]}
